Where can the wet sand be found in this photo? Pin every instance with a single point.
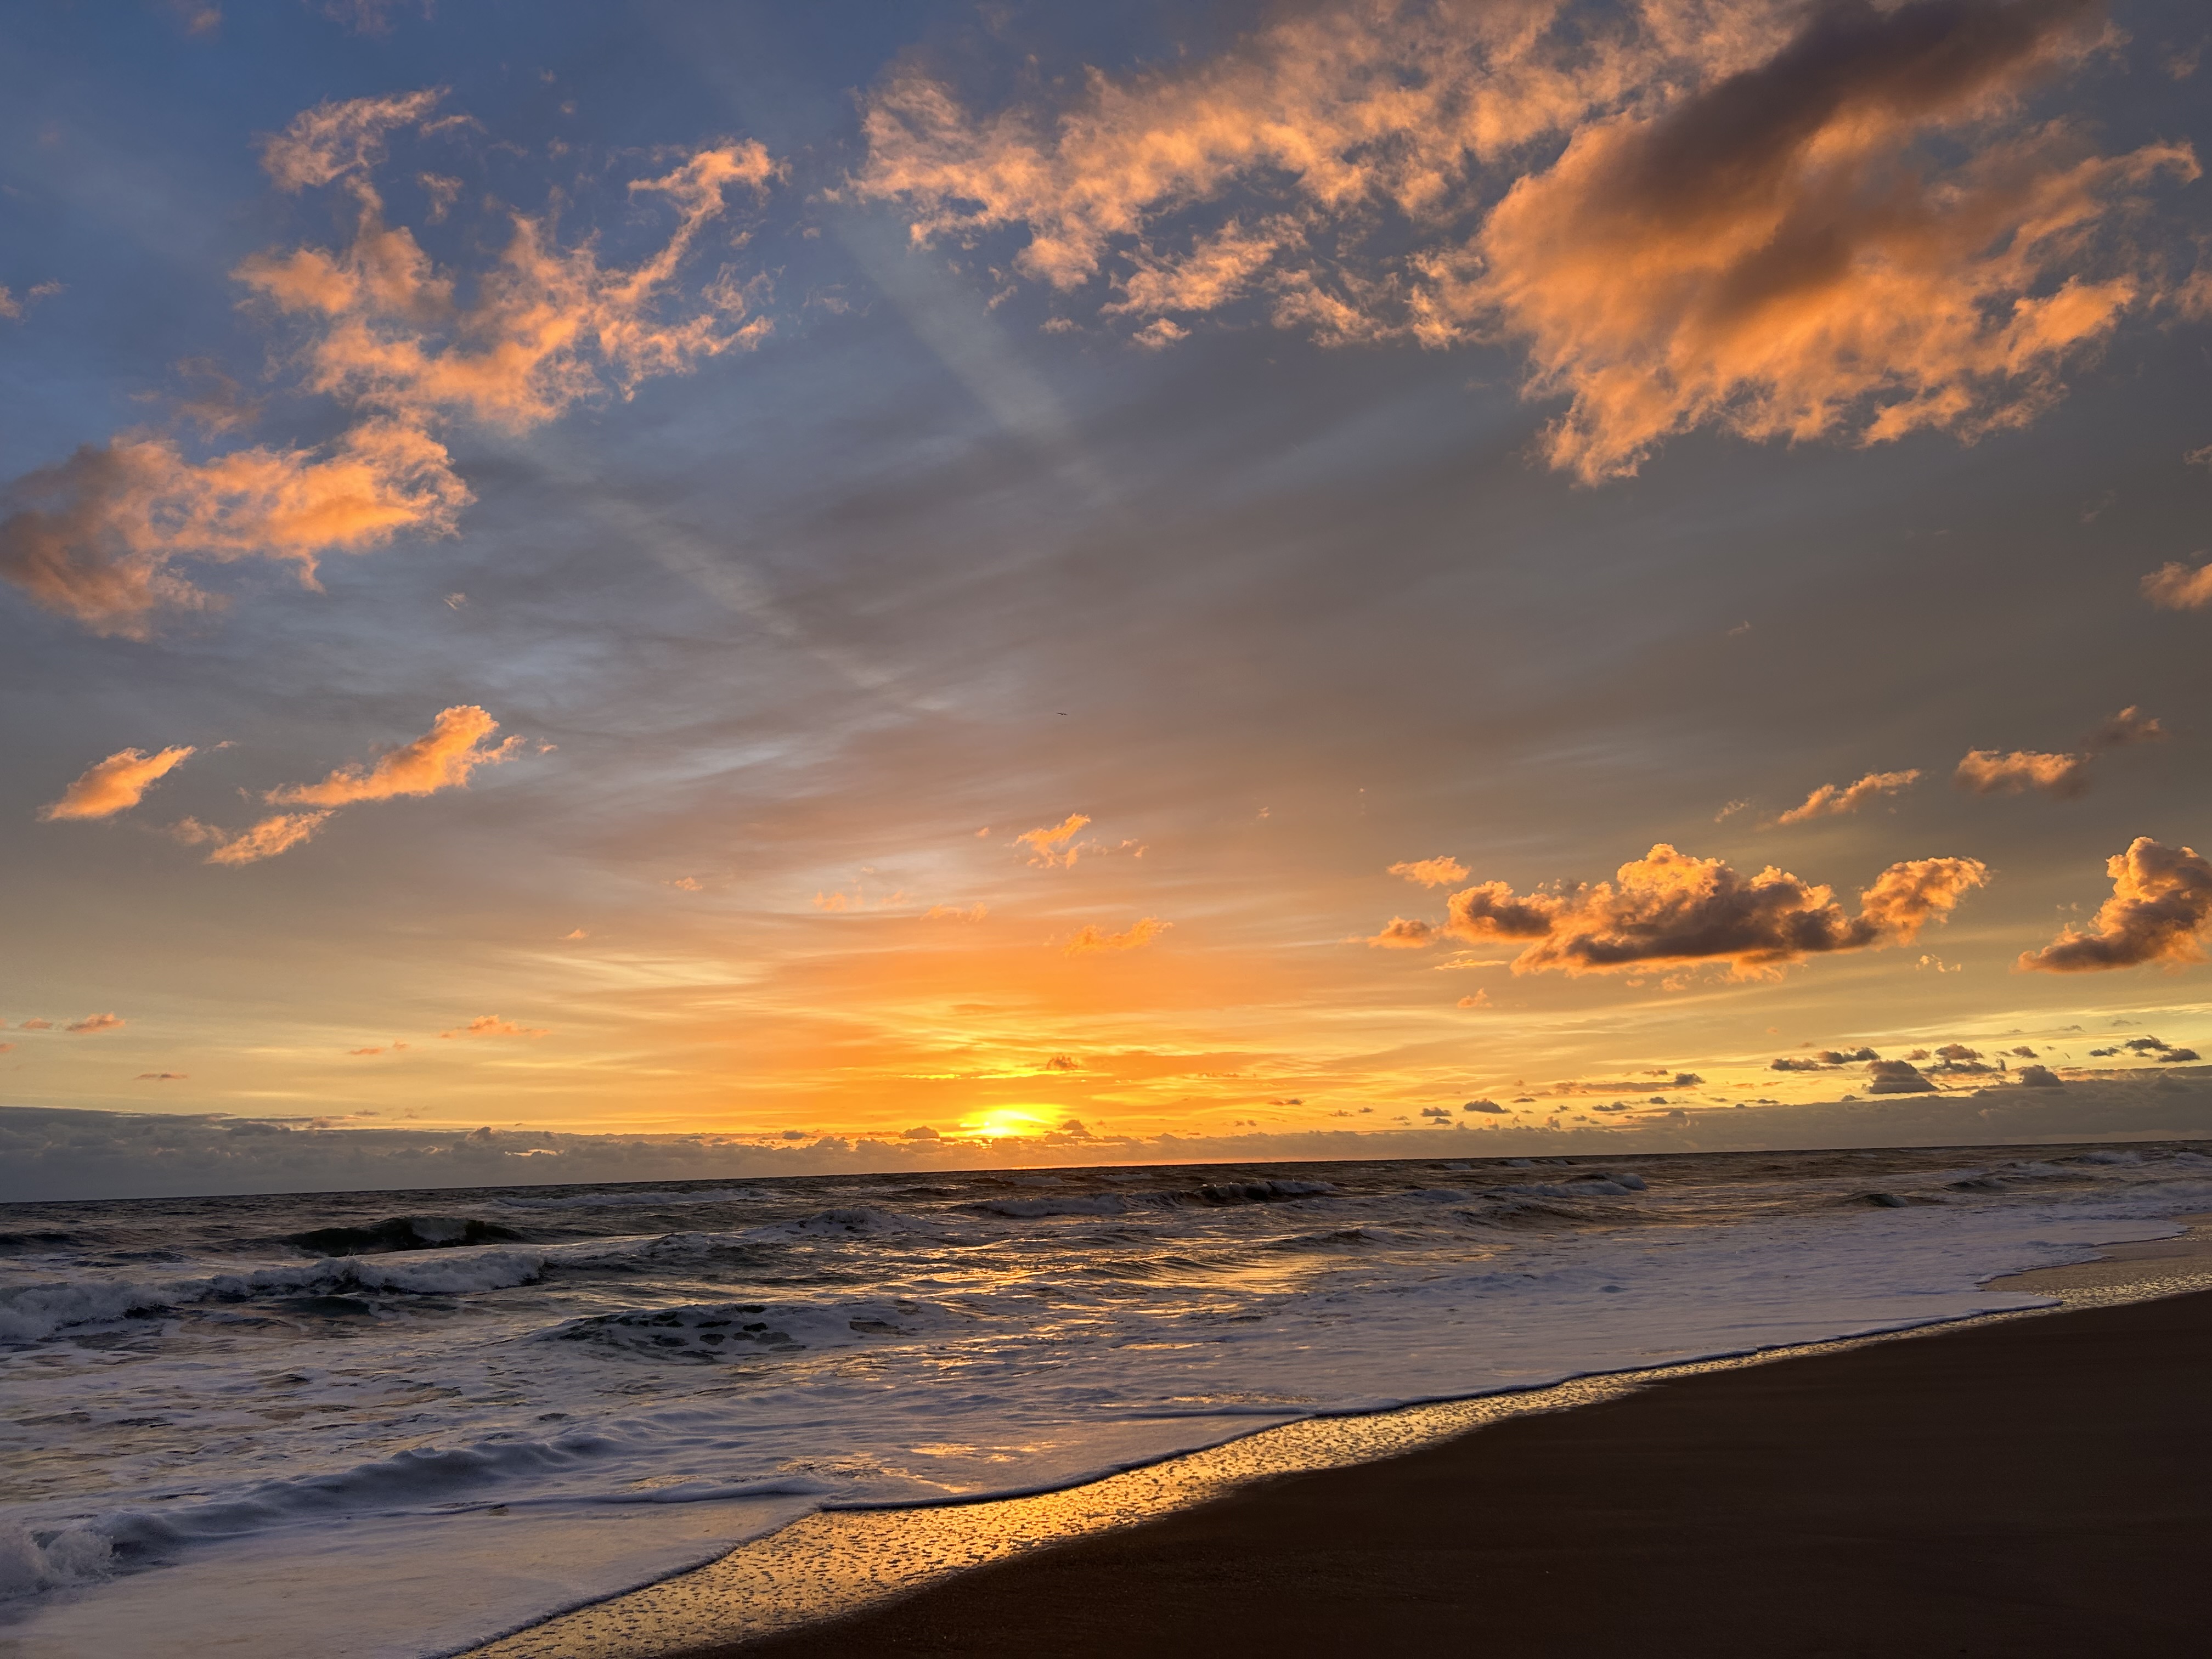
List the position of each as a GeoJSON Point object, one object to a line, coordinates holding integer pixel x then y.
{"type": "Point", "coordinates": [2025, 1487]}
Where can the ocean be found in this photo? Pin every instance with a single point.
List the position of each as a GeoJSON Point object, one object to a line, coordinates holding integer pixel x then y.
{"type": "Point", "coordinates": [401, 1424]}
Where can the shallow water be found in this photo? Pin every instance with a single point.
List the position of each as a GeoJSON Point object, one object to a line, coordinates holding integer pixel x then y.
{"type": "Point", "coordinates": [399, 1423]}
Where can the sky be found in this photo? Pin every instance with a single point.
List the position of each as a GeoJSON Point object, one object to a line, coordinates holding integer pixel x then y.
{"type": "Point", "coordinates": [918, 583]}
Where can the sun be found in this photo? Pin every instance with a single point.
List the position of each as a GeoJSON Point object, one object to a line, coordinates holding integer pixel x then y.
{"type": "Point", "coordinates": [1003, 1120]}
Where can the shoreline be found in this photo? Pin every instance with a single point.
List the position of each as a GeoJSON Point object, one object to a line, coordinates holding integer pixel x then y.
{"type": "Point", "coordinates": [841, 1566]}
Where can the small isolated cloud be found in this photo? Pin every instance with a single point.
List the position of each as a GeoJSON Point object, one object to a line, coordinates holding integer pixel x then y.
{"type": "Point", "coordinates": [335, 138]}
{"type": "Point", "coordinates": [358, 1052]}
{"type": "Point", "coordinates": [575, 933]}
{"type": "Point", "coordinates": [1401, 934]}
{"type": "Point", "coordinates": [160, 1077]}
{"type": "Point", "coordinates": [491, 1025]}
{"type": "Point", "coordinates": [1091, 939]}
{"type": "Point", "coordinates": [444, 757]}
{"type": "Point", "coordinates": [1050, 845]}
{"type": "Point", "coordinates": [95, 1022]}
{"type": "Point", "coordinates": [36, 1025]}
{"type": "Point", "coordinates": [1988, 772]}
{"type": "Point", "coordinates": [115, 785]}
{"type": "Point", "coordinates": [2175, 587]}
{"type": "Point", "coordinates": [1063, 1063]}
{"type": "Point", "coordinates": [1431, 873]}
{"type": "Point", "coordinates": [954, 913]}
{"type": "Point", "coordinates": [1896, 1076]}
{"type": "Point", "coordinates": [278, 833]}
{"type": "Point", "coordinates": [688, 884]}
{"type": "Point", "coordinates": [1489, 1106]}
{"type": "Point", "coordinates": [2161, 906]}
{"type": "Point", "coordinates": [1441, 1113]}
{"type": "Point", "coordinates": [2021, 1051]}
{"type": "Point", "coordinates": [831, 902]}
{"type": "Point", "coordinates": [2130, 725]}
{"type": "Point", "coordinates": [1671, 907]}
{"type": "Point", "coordinates": [2039, 1077]}
{"type": "Point", "coordinates": [1479, 1000]}
{"type": "Point", "coordinates": [922, 1132]}
{"type": "Point", "coordinates": [1833, 801]}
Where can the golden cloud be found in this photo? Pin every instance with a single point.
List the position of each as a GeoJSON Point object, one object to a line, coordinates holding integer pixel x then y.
{"type": "Point", "coordinates": [444, 757]}
{"type": "Point", "coordinates": [1987, 772]}
{"type": "Point", "coordinates": [278, 833]}
{"type": "Point", "coordinates": [1671, 907]}
{"type": "Point", "coordinates": [1092, 938]}
{"type": "Point", "coordinates": [1431, 873]}
{"type": "Point", "coordinates": [2175, 587]}
{"type": "Point", "coordinates": [335, 138]}
{"type": "Point", "coordinates": [2161, 906]}
{"type": "Point", "coordinates": [491, 1025]}
{"type": "Point", "coordinates": [95, 1022]}
{"type": "Point", "coordinates": [1834, 800]}
{"type": "Point", "coordinates": [1790, 221]}
{"type": "Point", "coordinates": [115, 785]}
{"type": "Point", "coordinates": [1049, 846]}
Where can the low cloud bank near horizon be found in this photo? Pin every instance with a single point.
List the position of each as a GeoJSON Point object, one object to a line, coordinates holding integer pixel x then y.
{"type": "Point", "coordinates": [62, 1154]}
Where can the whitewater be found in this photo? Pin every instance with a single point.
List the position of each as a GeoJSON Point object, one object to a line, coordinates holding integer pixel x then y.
{"type": "Point", "coordinates": [401, 1424]}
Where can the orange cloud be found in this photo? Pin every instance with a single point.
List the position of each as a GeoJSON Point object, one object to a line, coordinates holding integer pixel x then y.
{"type": "Point", "coordinates": [1091, 939]}
{"type": "Point", "coordinates": [97, 538]}
{"type": "Point", "coordinates": [278, 833]}
{"type": "Point", "coordinates": [1049, 846]}
{"type": "Point", "coordinates": [1431, 873]}
{"type": "Point", "coordinates": [1669, 907]}
{"type": "Point", "coordinates": [114, 784]}
{"type": "Point", "coordinates": [2175, 587]}
{"type": "Point", "coordinates": [1833, 801]}
{"type": "Point", "coordinates": [1987, 772]}
{"type": "Point", "coordinates": [333, 139]}
{"type": "Point", "coordinates": [2161, 904]}
{"type": "Point", "coordinates": [1404, 933]}
{"type": "Point", "coordinates": [95, 1022]}
{"type": "Point", "coordinates": [491, 1025]}
{"type": "Point", "coordinates": [444, 757]}
{"type": "Point", "coordinates": [2130, 725]}
{"type": "Point", "coordinates": [1788, 221]}
{"type": "Point", "coordinates": [954, 913]}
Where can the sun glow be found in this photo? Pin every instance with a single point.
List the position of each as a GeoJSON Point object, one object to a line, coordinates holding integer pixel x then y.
{"type": "Point", "coordinates": [1003, 1120]}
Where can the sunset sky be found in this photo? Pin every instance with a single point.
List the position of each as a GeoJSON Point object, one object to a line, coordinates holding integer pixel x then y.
{"type": "Point", "coordinates": [1225, 572]}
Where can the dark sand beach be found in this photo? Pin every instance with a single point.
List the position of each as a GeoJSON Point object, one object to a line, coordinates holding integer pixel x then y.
{"type": "Point", "coordinates": [2024, 1487]}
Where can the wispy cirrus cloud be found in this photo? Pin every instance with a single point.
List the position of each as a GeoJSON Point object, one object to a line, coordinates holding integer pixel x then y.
{"type": "Point", "coordinates": [491, 1025]}
{"type": "Point", "coordinates": [265, 838]}
{"type": "Point", "coordinates": [407, 350]}
{"type": "Point", "coordinates": [1092, 939]}
{"type": "Point", "coordinates": [2159, 909]}
{"type": "Point", "coordinates": [1051, 845]}
{"type": "Point", "coordinates": [1788, 221]}
{"type": "Point", "coordinates": [1670, 909]}
{"type": "Point", "coordinates": [444, 757]}
{"type": "Point", "coordinates": [116, 784]}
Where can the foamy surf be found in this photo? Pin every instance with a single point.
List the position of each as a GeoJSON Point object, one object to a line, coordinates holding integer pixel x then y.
{"type": "Point", "coordinates": [410, 1450]}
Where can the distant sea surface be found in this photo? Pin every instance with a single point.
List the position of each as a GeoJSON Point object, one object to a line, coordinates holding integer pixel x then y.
{"type": "Point", "coordinates": [398, 1423]}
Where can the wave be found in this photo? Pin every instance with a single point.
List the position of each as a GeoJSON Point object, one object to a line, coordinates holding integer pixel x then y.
{"type": "Point", "coordinates": [707, 1332]}
{"type": "Point", "coordinates": [31, 1313]}
{"type": "Point", "coordinates": [403, 1232]}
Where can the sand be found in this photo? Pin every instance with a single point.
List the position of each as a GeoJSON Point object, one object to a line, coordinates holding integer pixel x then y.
{"type": "Point", "coordinates": [2033, 1485]}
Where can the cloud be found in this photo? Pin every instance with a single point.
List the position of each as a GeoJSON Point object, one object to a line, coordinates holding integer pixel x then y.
{"type": "Point", "coordinates": [95, 1022]}
{"type": "Point", "coordinates": [444, 757]}
{"type": "Point", "coordinates": [491, 1025]}
{"type": "Point", "coordinates": [278, 833]}
{"type": "Point", "coordinates": [1478, 999]}
{"type": "Point", "coordinates": [36, 1025]}
{"type": "Point", "coordinates": [386, 333]}
{"type": "Point", "coordinates": [1049, 846]}
{"type": "Point", "coordinates": [1986, 772]}
{"type": "Point", "coordinates": [1431, 873]}
{"type": "Point", "coordinates": [1490, 1106]}
{"type": "Point", "coordinates": [97, 538]}
{"type": "Point", "coordinates": [1405, 934]}
{"type": "Point", "coordinates": [2039, 1077]}
{"type": "Point", "coordinates": [2161, 902]}
{"type": "Point", "coordinates": [1669, 907]}
{"type": "Point", "coordinates": [115, 785]}
{"type": "Point", "coordinates": [334, 139]}
{"type": "Point", "coordinates": [1791, 222]}
{"type": "Point", "coordinates": [2130, 725]}
{"type": "Point", "coordinates": [1896, 1076]}
{"type": "Point", "coordinates": [953, 913]}
{"type": "Point", "coordinates": [160, 1077]}
{"type": "Point", "coordinates": [1091, 939]}
{"type": "Point", "coordinates": [2175, 587]}
{"type": "Point", "coordinates": [1833, 801]}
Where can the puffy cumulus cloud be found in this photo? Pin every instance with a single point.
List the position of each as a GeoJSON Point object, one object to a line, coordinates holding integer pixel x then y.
{"type": "Point", "coordinates": [2175, 587]}
{"type": "Point", "coordinates": [1987, 772]}
{"type": "Point", "coordinates": [1051, 845]}
{"type": "Point", "coordinates": [491, 1025]}
{"type": "Point", "coordinates": [92, 1022]}
{"type": "Point", "coordinates": [1407, 934]}
{"type": "Point", "coordinates": [1091, 939]}
{"type": "Point", "coordinates": [336, 138]}
{"type": "Point", "coordinates": [444, 757]}
{"type": "Point", "coordinates": [2039, 1077]}
{"type": "Point", "coordinates": [394, 340]}
{"type": "Point", "coordinates": [97, 538]}
{"type": "Point", "coordinates": [1833, 801]}
{"type": "Point", "coordinates": [1826, 1060]}
{"type": "Point", "coordinates": [266, 838]}
{"type": "Point", "coordinates": [1431, 873]}
{"type": "Point", "coordinates": [116, 784]}
{"type": "Point", "coordinates": [1671, 907]}
{"type": "Point", "coordinates": [1792, 221]}
{"type": "Point", "coordinates": [1896, 1076]}
{"type": "Point", "coordinates": [2161, 906]}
